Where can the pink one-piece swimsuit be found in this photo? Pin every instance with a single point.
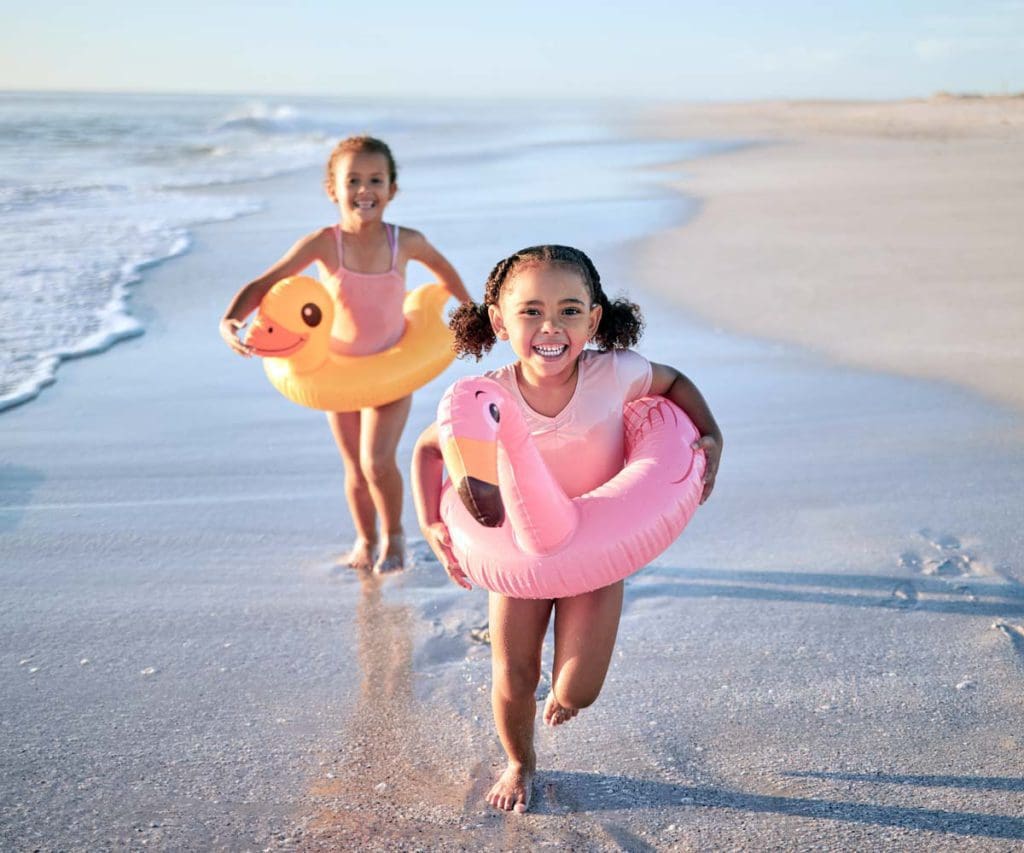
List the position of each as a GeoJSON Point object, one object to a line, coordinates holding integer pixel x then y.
{"type": "Point", "coordinates": [368, 306]}
{"type": "Point", "coordinates": [583, 445]}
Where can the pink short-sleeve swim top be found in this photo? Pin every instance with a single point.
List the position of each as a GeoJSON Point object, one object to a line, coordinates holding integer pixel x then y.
{"type": "Point", "coordinates": [368, 306]}
{"type": "Point", "coordinates": [583, 445]}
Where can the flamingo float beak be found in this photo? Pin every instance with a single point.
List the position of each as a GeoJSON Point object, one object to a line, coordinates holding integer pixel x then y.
{"type": "Point", "coordinates": [473, 468]}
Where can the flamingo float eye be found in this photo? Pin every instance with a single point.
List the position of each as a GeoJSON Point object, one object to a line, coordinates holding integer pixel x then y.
{"type": "Point", "coordinates": [311, 315]}
{"type": "Point", "coordinates": [491, 415]}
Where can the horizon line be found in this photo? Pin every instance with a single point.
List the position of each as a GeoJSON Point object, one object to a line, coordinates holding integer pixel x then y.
{"type": "Point", "coordinates": [937, 94]}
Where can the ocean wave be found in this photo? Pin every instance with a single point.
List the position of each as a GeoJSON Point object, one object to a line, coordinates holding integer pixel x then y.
{"type": "Point", "coordinates": [94, 189]}
{"type": "Point", "coordinates": [29, 196]}
{"type": "Point", "coordinates": [284, 119]}
{"type": "Point", "coordinates": [320, 123]}
{"type": "Point", "coordinates": [242, 169]}
{"type": "Point", "coordinates": [67, 271]}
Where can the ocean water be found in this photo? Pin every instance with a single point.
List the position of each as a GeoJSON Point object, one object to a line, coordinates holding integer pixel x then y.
{"type": "Point", "coordinates": [95, 188]}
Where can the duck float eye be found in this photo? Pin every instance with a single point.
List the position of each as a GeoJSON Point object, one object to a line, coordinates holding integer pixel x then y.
{"type": "Point", "coordinates": [311, 315]}
{"type": "Point", "coordinates": [493, 409]}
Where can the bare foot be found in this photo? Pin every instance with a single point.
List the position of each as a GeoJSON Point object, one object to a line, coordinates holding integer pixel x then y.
{"type": "Point", "coordinates": [555, 714]}
{"type": "Point", "coordinates": [511, 793]}
{"type": "Point", "coordinates": [392, 558]}
{"type": "Point", "coordinates": [361, 555]}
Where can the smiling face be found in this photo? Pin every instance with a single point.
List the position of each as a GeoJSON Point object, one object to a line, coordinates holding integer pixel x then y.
{"type": "Point", "coordinates": [362, 185]}
{"type": "Point", "coordinates": [544, 311]}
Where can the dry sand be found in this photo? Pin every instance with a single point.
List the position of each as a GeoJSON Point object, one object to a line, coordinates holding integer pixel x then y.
{"type": "Point", "coordinates": [885, 235]}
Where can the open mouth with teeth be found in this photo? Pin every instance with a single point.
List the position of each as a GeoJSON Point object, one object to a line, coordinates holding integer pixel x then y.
{"type": "Point", "coordinates": [550, 350]}
{"type": "Point", "coordinates": [365, 204]}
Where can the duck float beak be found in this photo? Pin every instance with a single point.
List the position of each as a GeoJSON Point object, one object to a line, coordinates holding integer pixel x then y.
{"type": "Point", "coordinates": [473, 468]}
{"type": "Point", "coordinates": [270, 339]}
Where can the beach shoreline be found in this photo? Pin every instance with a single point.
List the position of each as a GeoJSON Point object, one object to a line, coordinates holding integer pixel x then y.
{"type": "Point", "coordinates": [827, 656]}
{"type": "Point", "coordinates": [882, 235]}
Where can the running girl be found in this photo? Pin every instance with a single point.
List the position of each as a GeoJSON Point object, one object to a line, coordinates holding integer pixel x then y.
{"type": "Point", "coordinates": [548, 303]}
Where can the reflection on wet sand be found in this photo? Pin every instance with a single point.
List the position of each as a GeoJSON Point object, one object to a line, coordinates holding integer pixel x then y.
{"type": "Point", "coordinates": [390, 777]}
{"type": "Point", "coordinates": [418, 752]}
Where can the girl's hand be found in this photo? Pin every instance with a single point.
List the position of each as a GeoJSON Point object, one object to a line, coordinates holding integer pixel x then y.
{"type": "Point", "coordinates": [440, 543]}
{"type": "Point", "coordinates": [712, 453]}
{"type": "Point", "coordinates": [229, 328]}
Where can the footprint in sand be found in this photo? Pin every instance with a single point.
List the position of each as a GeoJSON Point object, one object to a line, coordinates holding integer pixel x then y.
{"type": "Point", "coordinates": [904, 596]}
{"type": "Point", "coordinates": [1015, 634]}
{"type": "Point", "coordinates": [965, 591]}
{"type": "Point", "coordinates": [956, 566]}
{"type": "Point", "coordinates": [481, 634]}
{"type": "Point", "coordinates": [947, 561]}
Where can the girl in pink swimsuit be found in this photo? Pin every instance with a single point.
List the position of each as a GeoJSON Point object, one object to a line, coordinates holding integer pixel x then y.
{"type": "Point", "coordinates": [362, 261]}
{"type": "Point", "coordinates": [547, 302]}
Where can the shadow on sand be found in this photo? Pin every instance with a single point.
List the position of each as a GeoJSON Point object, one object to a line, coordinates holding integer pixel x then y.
{"type": "Point", "coordinates": [973, 783]}
{"type": "Point", "coordinates": [965, 595]}
{"type": "Point", "coordinates": [592, 792]}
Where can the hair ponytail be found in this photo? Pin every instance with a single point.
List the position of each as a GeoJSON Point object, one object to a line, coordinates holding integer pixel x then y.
{"type": "Point", "coordinates": [621, 324]}
{"type": "Point", "coordinates": [471, 324]}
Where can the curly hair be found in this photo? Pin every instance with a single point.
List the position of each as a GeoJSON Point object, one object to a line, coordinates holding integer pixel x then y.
{"type": "Point", "coordinates": [621, 321]}
{"type": "Point", "coordinates": [358, 145]}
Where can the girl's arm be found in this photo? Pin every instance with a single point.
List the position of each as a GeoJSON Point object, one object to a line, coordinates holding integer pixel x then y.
{"type": "Point", "coordinates": [418, 248]}
{"type": "Point", "coordinates": [669, 382]}
{"type": "Point", "coordinates": [427, 470]}
{"type": "Point", "coordinates": [295, 260]}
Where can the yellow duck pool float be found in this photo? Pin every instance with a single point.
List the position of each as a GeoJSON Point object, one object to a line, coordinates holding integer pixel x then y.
{"type": "Point", "coordinates": [292, 332]}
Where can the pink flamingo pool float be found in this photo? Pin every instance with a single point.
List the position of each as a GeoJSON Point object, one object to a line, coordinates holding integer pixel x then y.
{"type": "Point", "coordinates": [515, 532]}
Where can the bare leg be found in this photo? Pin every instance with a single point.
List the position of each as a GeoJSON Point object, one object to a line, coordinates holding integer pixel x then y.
{"type": "Point", "coordinates": [517, 634]}
{"type": "Point", "coordinates": [346, 428]}
{"type": "Point", "coordinates": [585, 629]}
{"type": "Point", "coordinates": [380, 430]}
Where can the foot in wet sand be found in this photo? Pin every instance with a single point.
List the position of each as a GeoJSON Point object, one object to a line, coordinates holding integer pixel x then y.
{"type": "Point", "coordinates": [361, 555]}
{"type": "Point", "coordinates": [555, 714]}
{"type": "Point", "coordinates": [511, 793]}
{"type": "Point", "coordinates": [392, 558]}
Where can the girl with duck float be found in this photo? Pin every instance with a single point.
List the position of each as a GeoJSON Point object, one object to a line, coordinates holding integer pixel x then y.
{"type": "Point", "coordinates": [548, 303]}
{"type": "Point", "coordinates": [361, 261]}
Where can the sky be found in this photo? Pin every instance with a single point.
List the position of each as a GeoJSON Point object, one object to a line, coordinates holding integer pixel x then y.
{"type": "Point", "coordinates": [620, 48]}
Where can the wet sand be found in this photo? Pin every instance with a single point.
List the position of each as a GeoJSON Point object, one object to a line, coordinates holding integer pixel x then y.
{"type": "Point", "coordinates": [884, 235]}
{"type": "Point", "coordinates": [830, 655]}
